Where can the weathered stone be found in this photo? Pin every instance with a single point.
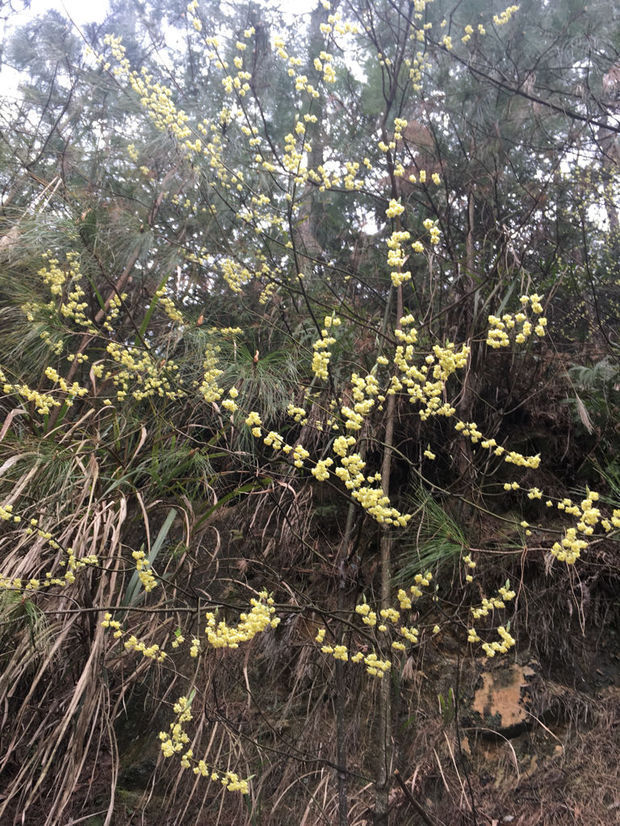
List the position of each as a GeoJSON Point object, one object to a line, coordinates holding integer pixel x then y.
{"type": "Point", "coordinates": [501, 699]}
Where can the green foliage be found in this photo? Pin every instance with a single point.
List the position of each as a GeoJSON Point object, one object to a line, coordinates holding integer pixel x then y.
{"type": "Point", "coordinates": [135, 593]}
{"type": "Point", "coordinates": [436, 539]}
{"type": "Point", "coordinates": [595, 406]}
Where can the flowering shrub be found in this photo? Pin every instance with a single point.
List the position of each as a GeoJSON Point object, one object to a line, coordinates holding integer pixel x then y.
{"type": "Point", "coordinates": [370, 351]}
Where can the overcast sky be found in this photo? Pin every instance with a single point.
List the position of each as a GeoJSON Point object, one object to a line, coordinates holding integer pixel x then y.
{"type": "Point", "coordinates": [80, 11]}
{"type": "Point", "coordinates": [95, 10]}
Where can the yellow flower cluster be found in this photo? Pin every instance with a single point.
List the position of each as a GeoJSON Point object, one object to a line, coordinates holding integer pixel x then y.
{"type": "Point", "coordinates": [470, 565]}
{"type": "Point", "coordinates": [504, 595]}
{"type": "Point", "coordinates": [396, 257]}
{"type": "Point", "coordinates": [421, 581]}
{"type": "Point", "coordinates": [226, 331]}
{"type": "Point", "coordinates": [63, 284]}
{"type": "Point", "coordinates": [372, 499]}
{"type": "Point", "coordinates": [410, 634]}
{"type": "Point", "coordinates": [335, 25]}
{"type": "Point", "coordinates": [493, 648]}
{"type": "Point", "coordinates": [74, 390]}
{"type": "Point", "coordinates": [300, 454]}
{"type": "Point", "coordinates": [404, 600]}
{"type": "Point", "coordinates": [229, 780]}
{"type": "Point", "coordinates": [108, 622]}
{"type": "Point", "coordinates": [589, 515]}
{"type": "Point", "coordinates": [364, 390]}
{"type": "Point", "coordinates": [387, 147]}
{"type": "Point", "coordinates": [342, 444]}
{"type": "Point", "coordinates": [179, 639]}
{"type": "Point", "coordinates": [274, 440]}
{"type": "Point", "coordinates": [73, 308]}
{"type": "Point", "coordinates": [177, 739]}
{"type": "Point", "coordinates": [155, 98]}
{"type": "Point", "coordinates": [503, 18]}
{"type": "Point", "coordinates": [368, 617]}
{"type": "Point", "coordinates": [168, 306]}
{"type": "Point", "coordinates": [386, 617]}
{"type": "Point", "coordinates": [260, 617]}
{"type": "Point", "coordinates": [113, 311]}
{"type": "Point", "coordinates": [469, 429]}
{"type": "Point", "coordinates": [500, 327]}
{"type": "Point", "coordinates": [301, 81]}
{"type": "Point", "coordinates": [151, 652]}
{"type": "Point", "coordinates": [389, 614]}
{"type": "Point", "coordinates": [298, 414]}
{"type": "Point", "coordinates": [522, 461]}
{"type": "Point", "coordinates": [374, 666]}
{"type": "Point", "coordinates": [425, 384]}
{"type": "Point", "coordinates": [19, 584]}
{"type": "Point", "coordinates": [433, 229]}
{"type": "Point", "coordinates": [43, 402]}
{"type": "Point", "coordinates": [614, 522]}
{"type": "Point", "coordinates": [570, 546]}
{"type": "Point", "coordinates": [81, 358]}
{"type": "Point", "coordinates": [469, 30]}
{"type": "Point", "coordinates": [418, 64]}
{"type": "Point", "coordinates": [350, 181]}
{"type": "Point", "coordinates": [145, 572]}
{"type": "Point", "coordinates": [394, 209]}
{"type": "Point", "coordinates": [209, 388]}
{"type": "Point", "coordinates": [292, 157]}
{"type": "Point", "coordinates": [321, 469]}
{"type": "Point", "coordinates": [420, 29]}
{"type": "Point", "coordinates": [230, 404]}
{"type": "Point", "coordinates": [321, 355]}
{"type": "Point", "coordinates": [54, 276]}
{"type": "Point", "coordinates": [71, 563]}
{"type": "Point", "coordinates": [141, 374]}
{"type": "Point", "coordinates": [338, 652]}
{"type": "Point", "coordinates": [235, 275]}
{"type": "Point", "coordinates": [254, 422]}
{"type": "Point", "coordinates": [7, 515]}
{"type": "Point", "coordinates": [399, 125]}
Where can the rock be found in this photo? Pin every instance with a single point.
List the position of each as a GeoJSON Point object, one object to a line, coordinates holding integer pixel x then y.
{"type": "Point", "coordinates": [501, 700]}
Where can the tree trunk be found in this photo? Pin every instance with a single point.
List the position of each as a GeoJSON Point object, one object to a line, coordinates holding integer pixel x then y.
{"type": "Point", "coordinates": [384, 723]}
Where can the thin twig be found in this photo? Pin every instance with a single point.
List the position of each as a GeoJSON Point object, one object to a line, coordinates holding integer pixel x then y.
{"type": "Point", "coordinates": [425, 817]}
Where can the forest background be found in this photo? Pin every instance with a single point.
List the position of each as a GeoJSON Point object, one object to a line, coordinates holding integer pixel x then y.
{"type": "Point", "coordinates": [309, 479]}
